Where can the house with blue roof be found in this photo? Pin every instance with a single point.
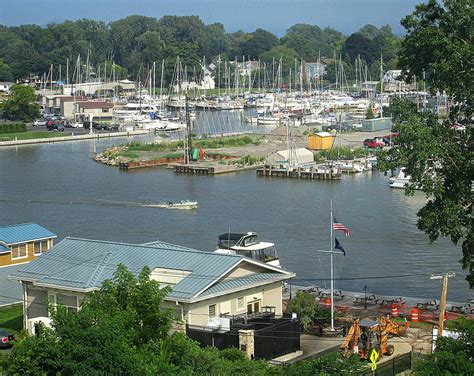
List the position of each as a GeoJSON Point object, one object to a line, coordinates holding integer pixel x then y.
{"type": "Point", "coordinates": [204, 285]}
{"type": "Point", "coordinates": [23, 243]}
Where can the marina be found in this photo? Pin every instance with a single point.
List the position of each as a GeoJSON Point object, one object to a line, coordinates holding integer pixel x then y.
{"type": "Point", "coordinates": [291, 213]}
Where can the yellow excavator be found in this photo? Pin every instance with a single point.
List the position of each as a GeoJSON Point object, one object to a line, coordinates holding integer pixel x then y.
{"type": "Point", "coordinates": [367, 336]}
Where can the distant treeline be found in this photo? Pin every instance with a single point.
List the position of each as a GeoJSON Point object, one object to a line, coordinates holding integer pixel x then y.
{"type": "Point", "coordinates": [135, 42]}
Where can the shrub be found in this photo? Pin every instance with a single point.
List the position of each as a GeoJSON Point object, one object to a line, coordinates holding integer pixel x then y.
{"type": "Point", "coordinates": [12, 128]}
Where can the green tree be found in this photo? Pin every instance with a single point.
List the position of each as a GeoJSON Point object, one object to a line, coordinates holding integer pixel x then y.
{"type": "Point", "coordinates": [304, 305]}
{"type": "Point", "coordinates": [370, 113]}
{"type": "Point", "coordinates": [20, 104]}
{"type": "Point", "coordinates": [114, 332]}
{"type": "Point", "coordinates": [452, 356]}
{"type": "Point", "coordinates": [5, 72]}
{"type": "Point", "coordinates": [282, 54]}
{"type": "Point", "coordinates": [439, 42]}
{"type": "Point", "coordinates": [439, 159]}
{"type": "Point", "coordinates": [260, 41]}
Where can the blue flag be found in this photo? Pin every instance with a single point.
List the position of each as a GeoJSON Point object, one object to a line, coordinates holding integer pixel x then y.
{"type": "Point", "coordinates": [338, 245]}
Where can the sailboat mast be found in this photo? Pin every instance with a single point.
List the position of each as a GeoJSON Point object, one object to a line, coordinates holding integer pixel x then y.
{"type": "Point", "coordinates": [332, 273]}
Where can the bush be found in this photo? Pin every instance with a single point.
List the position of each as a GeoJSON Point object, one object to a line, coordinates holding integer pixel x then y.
{"type": "Point", "coordinates": [12, 128]}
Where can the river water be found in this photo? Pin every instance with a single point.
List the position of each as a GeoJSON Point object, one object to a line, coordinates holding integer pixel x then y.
{"type": "Point", "coordinates": [60, 187]}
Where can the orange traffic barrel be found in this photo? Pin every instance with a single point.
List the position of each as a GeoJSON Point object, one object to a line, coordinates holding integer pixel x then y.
{"type": "Point", "coordinates": [327, 303]}
{"type": "Point", "coordinates": [394, 310]}
{"type": "Point", "coordinates": [414, 314]}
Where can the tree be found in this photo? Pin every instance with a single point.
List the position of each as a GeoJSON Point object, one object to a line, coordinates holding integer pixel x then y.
{"type": "Point", "coordinates": [260, 41]}
{"type": "Point", "coordinates": [284, 54]}
{"type": "Point", "coordinates": [304, 305]}
{"type": "Point", "coordinates": [439, 42]}
{"type": "Point", "coordinates": [437, 157]}
{"type": "Point", "coordinates": [115, 331]}
{"type": "Point", "coordinates": [20, 105]}
{"type": "Point", "coordinates": [5, 71]}
{"type": "Point", "coordinates": [452, 356]}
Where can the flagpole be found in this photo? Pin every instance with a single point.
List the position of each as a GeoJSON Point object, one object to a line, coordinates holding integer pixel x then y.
{"type": "Point", "coordinates": [332, 275]}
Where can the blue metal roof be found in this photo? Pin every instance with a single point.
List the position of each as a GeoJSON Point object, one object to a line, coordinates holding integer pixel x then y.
{"type": "Point", "coordinates": [23, 233]}
{"type": "Point", "coordinates": [4, 249]}
{"type": "Point", "coordinates": [84, 264]}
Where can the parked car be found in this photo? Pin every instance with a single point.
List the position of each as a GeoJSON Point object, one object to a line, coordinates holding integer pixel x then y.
{"type": "Point", "coordinates": [77, 125]}
{"type": "Point", "coordinates": [390, 139]}
{"type": "Point", "coordinates": [100, 126]}
{"type": "Point", "coordinates": [87, 124]}
{"type": "Point", "coordinates": [40, 122]}
{"type": "Point", "coordinates": [6, 339]}
{"type": "Point", "coordinates": [113, 127]}
{"type": "Point", "coordinates": [50, 122]}
{"type": "Point", "coordinates": [55, 127]}
{"type": "Point", "coordinates": [373, 144]}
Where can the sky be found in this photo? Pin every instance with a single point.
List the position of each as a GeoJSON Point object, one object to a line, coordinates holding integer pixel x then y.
{"type": "Point", "coordinates": [276, 16]}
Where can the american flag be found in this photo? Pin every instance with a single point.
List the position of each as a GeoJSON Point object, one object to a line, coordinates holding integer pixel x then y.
{"type": "Point", "coordinates": [338, 226]}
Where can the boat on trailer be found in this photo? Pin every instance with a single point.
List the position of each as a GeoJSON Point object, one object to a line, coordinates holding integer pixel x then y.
{"type": "Point", "coordinates": [249, 246]}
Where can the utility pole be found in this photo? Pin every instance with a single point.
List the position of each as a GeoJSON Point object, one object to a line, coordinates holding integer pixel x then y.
{"type": "Point", "coordinates": [444, 292]}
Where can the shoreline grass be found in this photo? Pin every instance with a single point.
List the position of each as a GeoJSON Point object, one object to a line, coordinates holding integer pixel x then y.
{"type": "Point", "coordinates": [31, 135]}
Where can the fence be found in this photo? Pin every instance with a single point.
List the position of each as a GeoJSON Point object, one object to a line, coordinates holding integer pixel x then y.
{"type": "Point", "coordinates": [392, 367]}
{"type": "Point", "coordinates": [278, 339]}
{"type": "Point", "coordinates": [213, 338]}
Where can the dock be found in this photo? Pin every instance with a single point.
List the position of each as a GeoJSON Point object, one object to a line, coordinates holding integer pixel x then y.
{"type": "Point", "coordinates": [199, 169]}
{"type": "Point", "coordinates": [312, 173]}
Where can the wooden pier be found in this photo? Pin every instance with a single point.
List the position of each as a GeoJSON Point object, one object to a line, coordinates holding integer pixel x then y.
{"type": "Point", "coordinates": [198, 169]}
{"type": "Point", "coordinates": [300, 173]}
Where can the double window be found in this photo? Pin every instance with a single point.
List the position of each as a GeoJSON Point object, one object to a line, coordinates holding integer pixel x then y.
{"type": "Point", "coordinates": [40, 247]}
{"type": "Point", "coordinates": [19, 251]}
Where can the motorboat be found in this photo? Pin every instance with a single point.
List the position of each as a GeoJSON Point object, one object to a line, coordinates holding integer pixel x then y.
{"type": "Point", "coordinates": [401, 180]}
{"type": "Point", "coordinates": [249, 246]}
{"type": "Point", "coordinates": [182, 205]}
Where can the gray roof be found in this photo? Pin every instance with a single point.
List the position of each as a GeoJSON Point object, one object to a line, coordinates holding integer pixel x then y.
{"type": "Point", "coordinates": [10, 290]}
{"type": "Point", "coordinates": [247, 280]}
{"type": "Point", "coordinates": [23, 233]}
{"type": "Point", "coordinates": [82, 264]}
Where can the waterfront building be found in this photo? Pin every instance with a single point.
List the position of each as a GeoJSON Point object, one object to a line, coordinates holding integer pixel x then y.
{"type": "Point", "coordinates": [23, 243]}
{"type": "Point", "coordinates": [205, 286]}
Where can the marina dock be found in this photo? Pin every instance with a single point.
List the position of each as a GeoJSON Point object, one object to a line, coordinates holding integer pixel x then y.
{"type": "Point", "coordinates": [199, 169]}
{"type": "Point", "coordinates": [312, 173]}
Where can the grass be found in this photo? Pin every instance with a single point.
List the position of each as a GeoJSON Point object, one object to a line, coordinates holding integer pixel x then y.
{"type": "Point", "coordinates": [134, 149]}
{"type": "Point", "coordinates": [11, 318]}
{"type": "Point", "coordinates": [31, 135]}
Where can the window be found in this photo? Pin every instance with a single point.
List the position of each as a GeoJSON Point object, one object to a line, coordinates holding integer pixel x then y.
{"type": "Point", "coordinates": [212, 310]}
{"type": "Point", "coordinates": [19, 251]}
{"type": "Point", "coordinates": [105, 110]}
{"type": "Point", "coordinates": [37, 248]}
{"type": "Point", "coordinates": [253, 307]}
{"type": "Point", "coordinates": [240, 303]}
{"type": "Point", "coordinates": [44, 245]}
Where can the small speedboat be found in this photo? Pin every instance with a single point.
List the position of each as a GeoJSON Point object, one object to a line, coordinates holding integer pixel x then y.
{"type": "Point", "coordinates": [183, 205]}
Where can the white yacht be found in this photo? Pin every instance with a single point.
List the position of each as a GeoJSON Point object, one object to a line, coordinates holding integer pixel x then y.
{"type": "Point", "coordinates": [248, 245]}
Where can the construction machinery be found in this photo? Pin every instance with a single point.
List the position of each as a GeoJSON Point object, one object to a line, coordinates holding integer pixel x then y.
{"type": "Point", "coordinates": [366, 337]}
